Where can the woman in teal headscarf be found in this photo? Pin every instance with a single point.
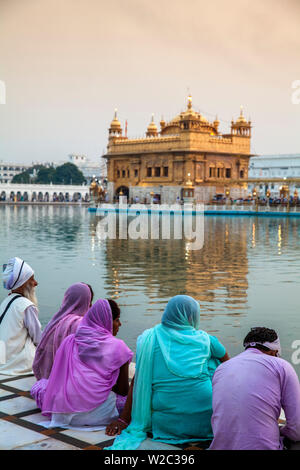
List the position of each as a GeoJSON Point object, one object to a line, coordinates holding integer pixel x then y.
{"type": "Point", "coordinates": [172, 393]}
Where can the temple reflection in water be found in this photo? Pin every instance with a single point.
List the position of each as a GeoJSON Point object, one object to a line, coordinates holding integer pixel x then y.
{"type": "Point", "coordinates": [169, 267]}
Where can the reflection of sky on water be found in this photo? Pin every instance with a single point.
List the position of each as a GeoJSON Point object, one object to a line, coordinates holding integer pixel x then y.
{"type": "Point", "coordinates": [247, 273]}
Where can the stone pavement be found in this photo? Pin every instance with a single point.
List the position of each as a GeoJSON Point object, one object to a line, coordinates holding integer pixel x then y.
{"type": "Point", "coordinates": [19, 428]}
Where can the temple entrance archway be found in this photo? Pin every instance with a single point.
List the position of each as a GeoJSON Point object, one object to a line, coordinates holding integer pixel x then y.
{"type": "Point", "coordinates": [122, 191]}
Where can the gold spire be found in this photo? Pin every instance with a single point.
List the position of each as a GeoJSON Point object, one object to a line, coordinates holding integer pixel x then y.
{"type": "Point", "coordinates": [216, 122]}
{"type": "Point", "coordinates": [189, 102]}
{"type": "Point", "coordinates": [115, 120]}
{"type": "Point", "coordinates": [241, 118]}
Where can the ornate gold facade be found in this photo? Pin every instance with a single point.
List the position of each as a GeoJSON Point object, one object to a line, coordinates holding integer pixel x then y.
{"type": "Point", "coordinates": [188, 153]}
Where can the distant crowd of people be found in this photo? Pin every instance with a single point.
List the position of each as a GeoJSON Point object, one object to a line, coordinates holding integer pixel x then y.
{"type": "Point", "coordinates": [185, 388]}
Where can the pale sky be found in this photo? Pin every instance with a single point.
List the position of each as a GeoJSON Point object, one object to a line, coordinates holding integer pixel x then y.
{"type": "Point", "coordinates": [67, 64]}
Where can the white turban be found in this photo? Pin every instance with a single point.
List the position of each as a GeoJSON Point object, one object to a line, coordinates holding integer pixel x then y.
{"type": "Point", "coordinates": [16, 273]}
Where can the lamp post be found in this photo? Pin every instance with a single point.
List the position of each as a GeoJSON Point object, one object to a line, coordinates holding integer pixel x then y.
{"type": "Point", "coordinates": [295, 196]}
{"type": "Point", "coordinates": [254, 194]}
{"type": "Point", "coordinates": [188, 190]}
{"type": "Point", "coordinates": [122, 198]}
{"type": "Point", "coordinates": [268, 197]}
{"type": "Point", "coordinates": [227, 194]}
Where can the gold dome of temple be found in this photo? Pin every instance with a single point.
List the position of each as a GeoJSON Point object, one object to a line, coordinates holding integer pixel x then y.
{"type": "Point", "coordinates": [191, 114]}
{"type": "Point", "coordinates": [187, 120]}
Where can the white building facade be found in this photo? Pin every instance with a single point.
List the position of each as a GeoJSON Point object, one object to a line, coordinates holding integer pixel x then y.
{"type": "Point", "coordinates": [89, 168]}
{"type": "Point", "coordinates": [282, 167]}
{"type": "Point", "coordinates": [9, 170]}
{"type": "Point", "coordinates": [43, 192]}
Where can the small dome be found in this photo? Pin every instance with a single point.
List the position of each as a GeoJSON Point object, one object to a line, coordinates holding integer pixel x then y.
{"type": "Point", "coordinates": [115, 125]}
{"type": "Point", "coordinates": [152, 128]}
{"type": "Point", "coordinates": [216, 122]}
{"type": "Point", "coordinates": [241, 119]}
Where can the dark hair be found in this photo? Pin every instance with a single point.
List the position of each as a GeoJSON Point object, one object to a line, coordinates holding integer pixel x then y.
{"type": "Point", "coordinates": [115, 309]}
{"type": "Point", "coordinates": [261, 335]}
{"type": "Point", "coordinates": [92, 292]}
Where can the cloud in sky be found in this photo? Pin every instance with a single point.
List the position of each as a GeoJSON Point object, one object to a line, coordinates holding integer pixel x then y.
{"type": "Point", "coordinates": [67, 65]}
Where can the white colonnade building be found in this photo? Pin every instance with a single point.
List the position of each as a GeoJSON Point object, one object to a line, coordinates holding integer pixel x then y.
{"type": "Point", "coordinates": [282, 167]}
{"type": "Point", "coordinates": [43, 192]}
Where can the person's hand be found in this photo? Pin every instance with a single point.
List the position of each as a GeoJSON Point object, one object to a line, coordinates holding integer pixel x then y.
{"type": "Point", "coordinates": [114, 428]}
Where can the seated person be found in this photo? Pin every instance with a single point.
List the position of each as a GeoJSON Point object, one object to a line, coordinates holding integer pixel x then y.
{"type": "Point", "coordinates": [172, 391]}
{"type": "Point", "coordinates": [76, 302]}
{"type": "Point", "coordinates": [88, 383]}
{"type": "Point", "coordinates": [248, 393]}
{"type": "Point", "coordinates": [20, 329]}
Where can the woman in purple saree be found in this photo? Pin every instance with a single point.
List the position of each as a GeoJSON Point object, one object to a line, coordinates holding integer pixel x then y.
{"type": "Point", "coordinates": [89, 379]}
{"type": "Point", "coordinates": [76, 302]}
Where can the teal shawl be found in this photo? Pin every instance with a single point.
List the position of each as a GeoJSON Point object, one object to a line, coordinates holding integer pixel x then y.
{"type": "Point", "coordinates": [180, 325]}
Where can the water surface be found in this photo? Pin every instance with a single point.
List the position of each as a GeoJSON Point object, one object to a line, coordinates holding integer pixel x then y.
{"type": "Point", "coordinates": [247, 273]}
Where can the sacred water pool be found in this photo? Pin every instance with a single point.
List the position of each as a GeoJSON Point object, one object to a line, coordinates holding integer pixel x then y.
{"type": "Point", "coordinates": [247, 273]}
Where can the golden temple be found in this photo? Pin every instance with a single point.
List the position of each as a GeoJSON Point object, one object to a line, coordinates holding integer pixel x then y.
{"type": "Point", "coordinates": [188, 157]}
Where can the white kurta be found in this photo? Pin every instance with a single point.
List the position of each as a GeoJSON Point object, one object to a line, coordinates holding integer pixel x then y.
{"type": "Point", "coordinates": [16, 345]}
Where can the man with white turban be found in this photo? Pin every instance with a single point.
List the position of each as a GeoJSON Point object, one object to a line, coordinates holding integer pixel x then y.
{"type": "Point", "coordinates": [20, 329]}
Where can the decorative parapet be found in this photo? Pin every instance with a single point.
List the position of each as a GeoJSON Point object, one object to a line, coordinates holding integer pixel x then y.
{"type": "Point", "coordinates": [146, 140]}
{"type": "Point", "coordinates": [142, 145]}
{"type": "Point", "coordinates": [219, 139]}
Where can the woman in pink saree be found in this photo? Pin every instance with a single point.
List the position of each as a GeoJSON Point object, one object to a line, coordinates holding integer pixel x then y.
{"type": "Point", "coordinates": [76, 302]}
{"type": "Point", "coordinates": [88, 383]}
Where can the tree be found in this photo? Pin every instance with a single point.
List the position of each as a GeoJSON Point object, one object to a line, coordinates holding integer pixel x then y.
{"type": "Point", "coordinates": [27, 176]}
{"type": "Point", "coordinates": [68, 173]}
{"type": "Point", "coordinates": [23, 178]}
{"type": "Point", "coordinates": [45, 175]}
